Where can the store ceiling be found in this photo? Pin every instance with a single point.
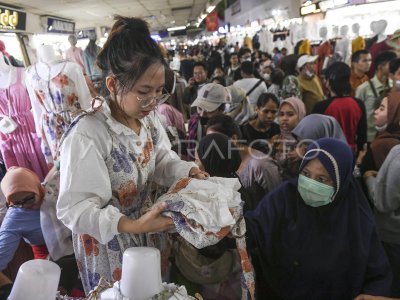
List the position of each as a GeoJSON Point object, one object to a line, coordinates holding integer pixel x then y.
{"type": "Point", "coordinates": [160, 14]}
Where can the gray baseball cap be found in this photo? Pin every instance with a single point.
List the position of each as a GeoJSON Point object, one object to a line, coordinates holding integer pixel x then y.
{"type": "Point", "coordinates": [211, 96]}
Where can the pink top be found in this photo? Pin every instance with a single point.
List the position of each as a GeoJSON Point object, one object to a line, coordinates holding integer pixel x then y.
{"type": "Point", "coordinates": [173, 117]}
{"type": "Point", "coordinates": [75, 54]}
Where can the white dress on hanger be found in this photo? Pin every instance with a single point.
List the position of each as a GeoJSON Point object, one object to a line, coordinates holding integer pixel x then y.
{"type": "Point", "coordinates": [56, 90]}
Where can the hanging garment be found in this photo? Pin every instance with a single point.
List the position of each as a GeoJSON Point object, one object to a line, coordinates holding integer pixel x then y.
{"type": "Point", "coordinates": [22, 146]}
{"type": "Point", "coordinates": [357, 44]}
{"type": "Point", "coordinates": [323, 51]}
{"type": "Point", "coordinates": [54, 100]}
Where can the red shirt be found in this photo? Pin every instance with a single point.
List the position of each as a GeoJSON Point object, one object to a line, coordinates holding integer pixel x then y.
{"type": "Point", "coordinates": [348, 114]}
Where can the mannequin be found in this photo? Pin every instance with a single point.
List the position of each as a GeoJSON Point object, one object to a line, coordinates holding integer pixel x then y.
{"type": "Point", "coordinates": [90, 56]}
{"type": "Point", "coordinates": [378, 42]}
{"type": "Point", "coordinates": [7, 76]}
{"type": "Point", "coordinates": [343, 45]}
{"type": "Point", "coordinates": [21, 147]}
{"type": "Point", "coordinates": [57, 88]}
{"type": "Point", "coordinates": [74, 53]}
{"type": "Point", "coordinates": [324, 50]}
{"type": "Point", "coordinates": [303, 45]}
{"type": "Point", "coordinates": [358, 43]}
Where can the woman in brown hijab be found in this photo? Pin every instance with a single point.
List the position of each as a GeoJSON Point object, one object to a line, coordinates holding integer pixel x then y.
{"type": "Point", "coordinates": [388, 133]}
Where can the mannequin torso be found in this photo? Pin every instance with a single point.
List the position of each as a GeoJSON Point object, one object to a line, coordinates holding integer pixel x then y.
{"type": "Point", "coordinates": [358, 43]}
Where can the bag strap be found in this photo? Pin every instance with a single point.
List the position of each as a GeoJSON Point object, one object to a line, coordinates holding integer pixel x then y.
{"type": "Point", "coordinates": [97, 103]}
{"type": "Point", "coordinates": [254, 87]}
{"type": "Point", "coordinates": [373, 88]}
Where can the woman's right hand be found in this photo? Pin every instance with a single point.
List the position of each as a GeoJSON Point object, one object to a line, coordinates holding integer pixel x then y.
{"type": "Point", "coordinates": [151, 221]}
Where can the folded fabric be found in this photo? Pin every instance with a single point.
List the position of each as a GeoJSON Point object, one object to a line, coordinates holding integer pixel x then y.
{"type": "Point", "coordinates": [204, 211]}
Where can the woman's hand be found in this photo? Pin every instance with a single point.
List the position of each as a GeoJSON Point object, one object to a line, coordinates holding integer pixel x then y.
{"type": "Point", "coordinates": [368, 297]}
{"type": "Point", "coordinates": [198, 174]}
{"type": "Point", "coordinates": [369, 174]}
{"type": "Point", "coordinates": [151, 221]}
{"type": "Point", "coordinates": [361, 155]}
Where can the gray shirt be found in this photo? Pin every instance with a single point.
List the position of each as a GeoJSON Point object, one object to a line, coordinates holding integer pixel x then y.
{"type": "Point", "coordinates": [384, 191]}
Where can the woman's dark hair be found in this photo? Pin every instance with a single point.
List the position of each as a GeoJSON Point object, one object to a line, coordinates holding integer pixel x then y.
{"type": "Point", "coordinates": [218, 155]}
{"type": "Point", "coordinates": [277, 76]}
{"type": "Point", "coordinates": [224, 124]}
{"type": "Point", "coordinates": [338, 76]}
{"type": "Point", "coordinates": [265, 98]}
{"type": "Point", "coordinates": [394, 65]}
{"type": "Point", "coordinates": [128, 52]}
{"type": "Point", "coordinates": [289, 63]}
{"type": "Point", "coordinates": [220, 79]}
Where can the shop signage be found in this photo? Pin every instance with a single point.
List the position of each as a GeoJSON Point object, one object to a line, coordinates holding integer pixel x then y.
{"type": "Point", "coordinates": [12, 19]}
{"type": "Point", "coordinates": [309, 8]}
{"type": "Point", "coordinates": [86, 33]}
{"type": "Point", "coordinates": [55, 25]}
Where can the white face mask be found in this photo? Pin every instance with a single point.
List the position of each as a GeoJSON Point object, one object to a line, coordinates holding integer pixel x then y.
{"type": "Point", "coordinates": [381, 128]}
{"type": "Point", "coordinates": [267, 76]}
{"type": "Point", "coordinates": [247, 59]}
{"type": "Point", "coordinates": [309, 74]}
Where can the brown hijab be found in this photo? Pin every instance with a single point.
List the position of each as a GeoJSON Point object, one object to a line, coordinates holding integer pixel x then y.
{"type": "Point", "coordinates": [385, 141]}
{"type": "Point", "coordinates": [18, 179]}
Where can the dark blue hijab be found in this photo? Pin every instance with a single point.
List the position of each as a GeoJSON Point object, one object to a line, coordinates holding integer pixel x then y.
{"type": "Point", "coordinates": [327, 252]}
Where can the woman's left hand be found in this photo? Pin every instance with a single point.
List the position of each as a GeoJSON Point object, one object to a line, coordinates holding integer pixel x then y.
{"type": "Point", "coordinates": [370, 173]}
{"type": "Point", "coordinates": [198, 174]}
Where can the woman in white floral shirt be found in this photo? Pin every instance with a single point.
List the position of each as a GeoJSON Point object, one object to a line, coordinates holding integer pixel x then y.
{"type": "Point", "coordinates": [109, 158]}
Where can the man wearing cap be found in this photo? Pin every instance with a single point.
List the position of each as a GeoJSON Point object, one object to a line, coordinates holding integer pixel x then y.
{"type": "Point", "coordinates": [370, 92]}
{"type": "Point", "coordinates": [210, 102]}
{"type": "Point", "coordinates": [310, 86]}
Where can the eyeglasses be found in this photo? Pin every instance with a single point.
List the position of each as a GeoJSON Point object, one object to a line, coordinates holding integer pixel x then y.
{"type": "Point", "coordinates": [149, 101]}
{"type": "Point", "coordinates": [21, 204]}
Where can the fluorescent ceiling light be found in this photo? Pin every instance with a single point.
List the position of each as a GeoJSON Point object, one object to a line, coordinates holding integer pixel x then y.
{"type": "Point", "coordinates": [176, 28]}
{"type": "Point", "coordinates": [210, 8]}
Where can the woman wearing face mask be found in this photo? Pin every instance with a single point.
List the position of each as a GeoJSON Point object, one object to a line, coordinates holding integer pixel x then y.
{"type": "Point", "coordinates": [316, 234]}
{"type": "Point", "coordinates": [110, 156]}
{"type": "Point", "coordinates": [387, 123]}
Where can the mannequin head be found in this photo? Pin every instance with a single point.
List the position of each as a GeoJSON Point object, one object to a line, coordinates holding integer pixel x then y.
{"type": "Point", "coordinates": [335, 31]}
{"type": "Point", "coordinates": [323, 32]}
{"type": "Point", "coordinates": [379, 27]}
{"type": "Point", "coordinates": [344, 30]}
{"type": "Point", "coordinates": [356, 29]}
{"type": "Point", "coordinates": [72, 40]}
{"type": "Point", "coordinates": [46, 54]}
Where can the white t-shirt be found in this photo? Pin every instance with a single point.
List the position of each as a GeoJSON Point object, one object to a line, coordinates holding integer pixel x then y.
{"type": "Point", "coordinates": [247, 84]}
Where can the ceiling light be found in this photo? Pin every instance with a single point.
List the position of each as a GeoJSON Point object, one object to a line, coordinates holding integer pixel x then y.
{"type": "Point", "coordinates": [176, 28]}
{"type": "Point", "coordinates": [210, 8]}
